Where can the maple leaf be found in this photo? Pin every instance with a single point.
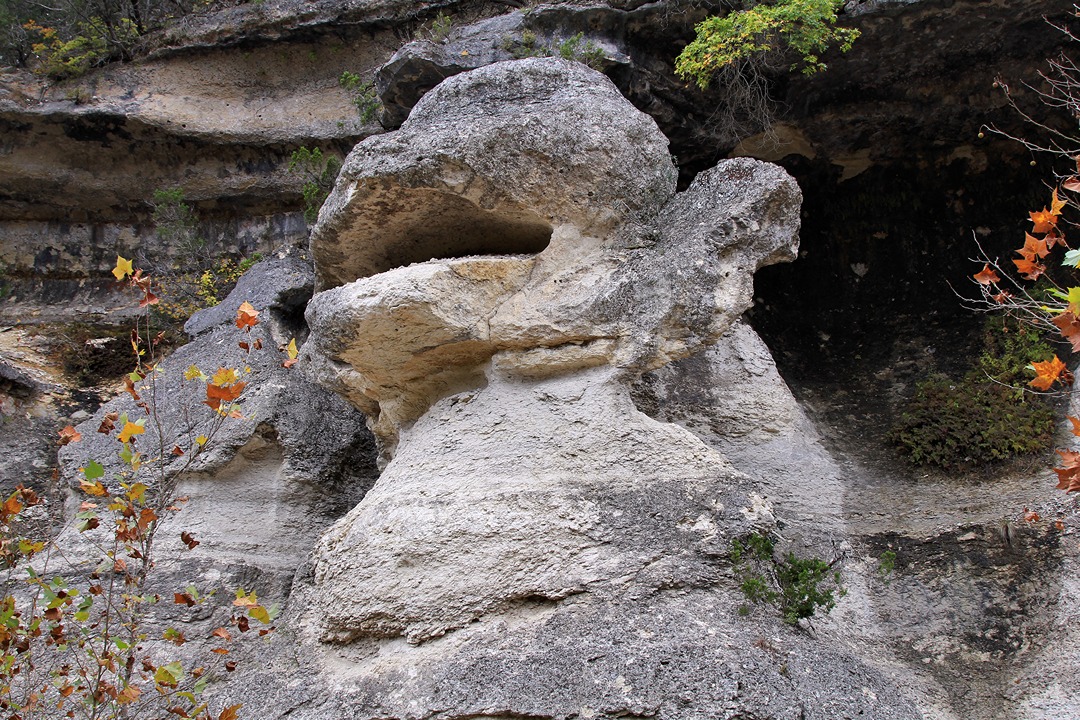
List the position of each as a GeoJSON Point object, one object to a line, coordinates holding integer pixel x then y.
{"type": "Point", "coordinates": [128, 695]}
{"type": "Point", "coordinates": [1034, 248]}
{"type": "Point", "coordinates": [1075, 425]}
{"type": "Point", "coordinates": [1049, 372]}
{"type": "Point", "coordinates": [1042, 221]}
{"type": "Point", "coordinates": [225, 376]}
{"type": "Point", "coordinates": [986, 277]}
{"type": "Point", "coordinates": [1072, 184]}
{"type": "Point", "coordinates": [1069, 472]}
{"type": "Point", "coordinates": [1053, 238]}
{"type": "Point", "coordinates": [1056, 204]}
{"type": "Point", "coordinates": [216, 394]}
{"type": "Point", "coordinates": [223, 634]}
{"type": "Point", "coordinates": [1069, 326]}
{"type": "Point", "coordinates": [130, 430]}
{"type": "Point", "coordinates": [1029, 269]}
{"type": "Point", "coordinates": [68, 435]}
{"type": "Point", "coordinates": [123, 268]}
{"type": "Point", "coordinates": [108, 423]}
{"type": "Point", "coordinates": [246, 316]}
{"type": "Point", "coordinates": [230, 713]}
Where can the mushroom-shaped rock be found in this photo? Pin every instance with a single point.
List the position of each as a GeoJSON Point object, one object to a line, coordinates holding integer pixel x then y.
{"type": "Point", "coordinates": [491, 161]}
{"type": "Point", "coordinates": [595, 260]}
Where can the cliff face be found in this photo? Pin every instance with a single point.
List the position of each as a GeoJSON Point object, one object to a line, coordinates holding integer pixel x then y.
{"type": "Point", "coordinates": [613, 594]}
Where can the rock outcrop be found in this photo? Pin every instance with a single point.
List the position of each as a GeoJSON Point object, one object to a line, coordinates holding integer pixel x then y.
{"type": "Point", "coordinates": [525, 497]}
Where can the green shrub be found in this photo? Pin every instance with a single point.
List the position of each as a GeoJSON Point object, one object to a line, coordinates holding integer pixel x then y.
{"type": "Point", "coordinates": [987, 415]}
{"type": "Point", "coordinates": [806, 28]}
{"type": "Point", "coordinates": [319, 171]}
{"type": "Point", "coordinates": [365, 98]}
{"type": "Point", "coordinates": [798, 587]}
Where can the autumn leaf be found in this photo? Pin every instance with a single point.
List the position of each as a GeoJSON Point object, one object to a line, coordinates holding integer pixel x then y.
{"type": "Point", "coordinates": [1069, 472]}
{"type": "Point", "coordinates": [123, 268]}
{"type": "Point", "coordinates": [188, 539]}
{"type": "Point", "coordinates": [93, 488]}
{"type": "Point", "coordinates": [68, 435]}
{"type": "Point", "coordinates": [230, 713]}
{"type": "Point", "coordinates": [177, 450]}
{"type": "Point", "coordinates": [1056, 204]}
{"type": "Point", "coordinates": [1075, 425]}
{"type": "Point", "coordinates": [193, 373]}
{"type": "Point", "coordinates": [1072, 184]}
{"type": "Point", "coordinates": [1049, 372]}
{"type": "Point", "coordinates": [216, 395]}
{"type": "Point", "coordinates": [1034, 248]}
{"type": "Point", "coordinates": [1069, 326]}
{"type": "Point", "coordinates": [223, 634]}
{"type": "Point", "coordinates": [986, 277]}
{"type": "Point", "coordinates": [246, 316]}
{"type": "Point", "coordinates": [130, 430]}
{"type": "Point", "coordinates": [128, 695]}
{"type": "Point", "coordinates": [1043, 221]}
{"type": "Point", "coordinates": [1029, 269]}
{"type": "Point", "coordinates": [1030, 516]}
{"type": "Point", "coordinates": [225, 376]}
{"type": "Point", "coordinates": [108, 423]}
{"type": "Point", "coordinates": [183, 599]}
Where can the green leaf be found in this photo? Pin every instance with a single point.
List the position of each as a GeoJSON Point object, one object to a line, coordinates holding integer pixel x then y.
{"type": "Point", "coordinates": [170, 674]}
{"type": "Point", "coordinates": [93, 470]}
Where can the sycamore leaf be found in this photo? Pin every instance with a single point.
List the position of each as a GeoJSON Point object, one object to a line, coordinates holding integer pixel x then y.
{"type": "Point", "coordinates": [128, 695]}
{"type": "Point", "coordinates": [193, 373]}
{"type": "Point", "coordinates": [108, 423]}
{"type": "Point", "coordinates": [130, 430]}
{"type": "Point", "coordinates": [1075, 425]}
{"type": "Point", "coordinates": [1031, 516]}
{"type": "Point", "coordinates": [230, 713]}
{"type": "Point", "coordinates": [201, 440]}
{"type": "Point", "coordinates": [177, 450]}
{"type": "Point", "coordinates": [68, 435]}
{"type": "Point", "coordinates": [169, 675]}
{"type": "Point", "coordinates": [1069, 472]}
{"type": "Point", "coordinates": [225, 376]}
{"type": "Point", "coordinates": [188, 539]}
{"type": "Point", "coordinates": [93, 488]}
{"type": "Point", "coordinates": [246, 316]}
{"type": "Point", "coordinates": [1049, 372]}
{"type": "Point", "coordinates": [1069, 326]}
{"type": "Point", "coordinates": [93, 470]}
{"type": "Point", "coordinates": [216, 395]}
{"type": "Point", "coordinates": [1072, 259]}
{"type": "Point", "coordinates": [1056, 203]}
{"type": "Point", "coordinates": [1034, 248]}
{"type": "Point", "coordinates": [1029, 269]}
{"type": "Point", "coordinates": [987, 276]}
{"type": "Point", "coordinates": [1043, 221]}
{"type": "Point", "coordinates": [223, 634]}
{"type": "Point", "coordinates": [258, 612]}
{"type": "Point", "coordinates": [1072, 184]}
{"type": "Point", "coordinates": [123, 268]}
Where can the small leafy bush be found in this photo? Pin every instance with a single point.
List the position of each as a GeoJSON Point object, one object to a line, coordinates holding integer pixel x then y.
{"type": "Point", "coordinates": [319, 171]}
{"type": "Point", "coordinates": [94, 43]}
{"type": "Point", "coordinates": [798, 587]}
{"type": "Point", "coordinates": [365, 98]}
{"type": "Point", "coordinates": [985, 416]}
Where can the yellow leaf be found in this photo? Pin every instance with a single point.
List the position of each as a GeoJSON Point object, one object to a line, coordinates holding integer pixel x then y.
{"type": "Point", "coordinates": [123, 268]}
{"type": "Point", "coordinates": [225, 376]}
{"type": "Point", "coordinates": [201, 440]}
{"type": "Point", "coordinates": [290, 349]}
{"type": "Point", "coordinates": [130, 430]}
{"type": "Point", "coordinates": [193, 373]}
{"type": "Point", "coordinates": [92, 488]}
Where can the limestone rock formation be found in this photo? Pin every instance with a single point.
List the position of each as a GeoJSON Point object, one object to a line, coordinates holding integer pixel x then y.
{"type": "Point", "coordinates": [525, 498]}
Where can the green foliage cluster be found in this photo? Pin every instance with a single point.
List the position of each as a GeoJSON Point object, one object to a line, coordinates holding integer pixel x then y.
{"type": "Point", "coordinates": [798, 587]}
{"type": "Point", "coordinates": [571, 48]}
{"type": "Point", "coordinates": [201, 279]}
{"type": "Point", "coordinates": [92, 43]}
{"type": "Point", "coordinates": [983, 417]}
{"type": "Point", "coordinates": [806, 28]}
{"type": "Point", "coordinates": [440, 27]}
{"type": "Point", "coordinates": [319, 171]}
{"type": "Point", "coordinates": [364, 96]}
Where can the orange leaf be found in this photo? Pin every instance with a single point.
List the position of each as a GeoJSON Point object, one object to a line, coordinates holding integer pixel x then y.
{"type": "Point", "coordinates": [68, 435]}
{"type": "Point", "coordinates": [128, 695]}
{"type": "Point", "coordinates": [1056, 204]}
{"type": "Point", "coordinates": [93, 488]}
{"type": "Point", "coordinates": [183, 599]}
{"type": "Point", "coordinates": [216, 394]}
{"type": "Point", "coordinates": [1034, 248]}
{"type": "Point", "coordinates": [986, 277]}
{"type": "Point", "coordinates": [223, 634]}
{"type": "Point", "coordinates": [1075, 425]}
{"type": "Point", "coordinates": [1047, 373]}
{"type": "Point", "coordinates": [1069, 326]}
{"type": "Point", "coordinates": [1031, 516]}
{"type": "Point", "coordinates": [108, 423]}
{"type": "Point", "coordinates": [177, 450]}
{"type": "Point", "coordinates": [230, 713]}
{"type": "Point", "coordinates": [1072, 184]}
{"type": "Point", "coordinates": [1029, 269]}
{"type": "Point", "coordinates": [130, 430]}
{"type": "Point", "coordinates": [1069, 472]}
{"type": "Point", "coordinates": [246, 316]}
{"type": "Point", "coordinates": [1043, 221]}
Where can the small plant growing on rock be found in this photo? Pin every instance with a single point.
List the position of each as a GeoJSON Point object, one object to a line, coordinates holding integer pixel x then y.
{"type": "Point", "coordinates": [319, 171]}
{"type": "Point", "coordinates": [798, 587]}
{"type": "Point", "coordinates": [364, 96]}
